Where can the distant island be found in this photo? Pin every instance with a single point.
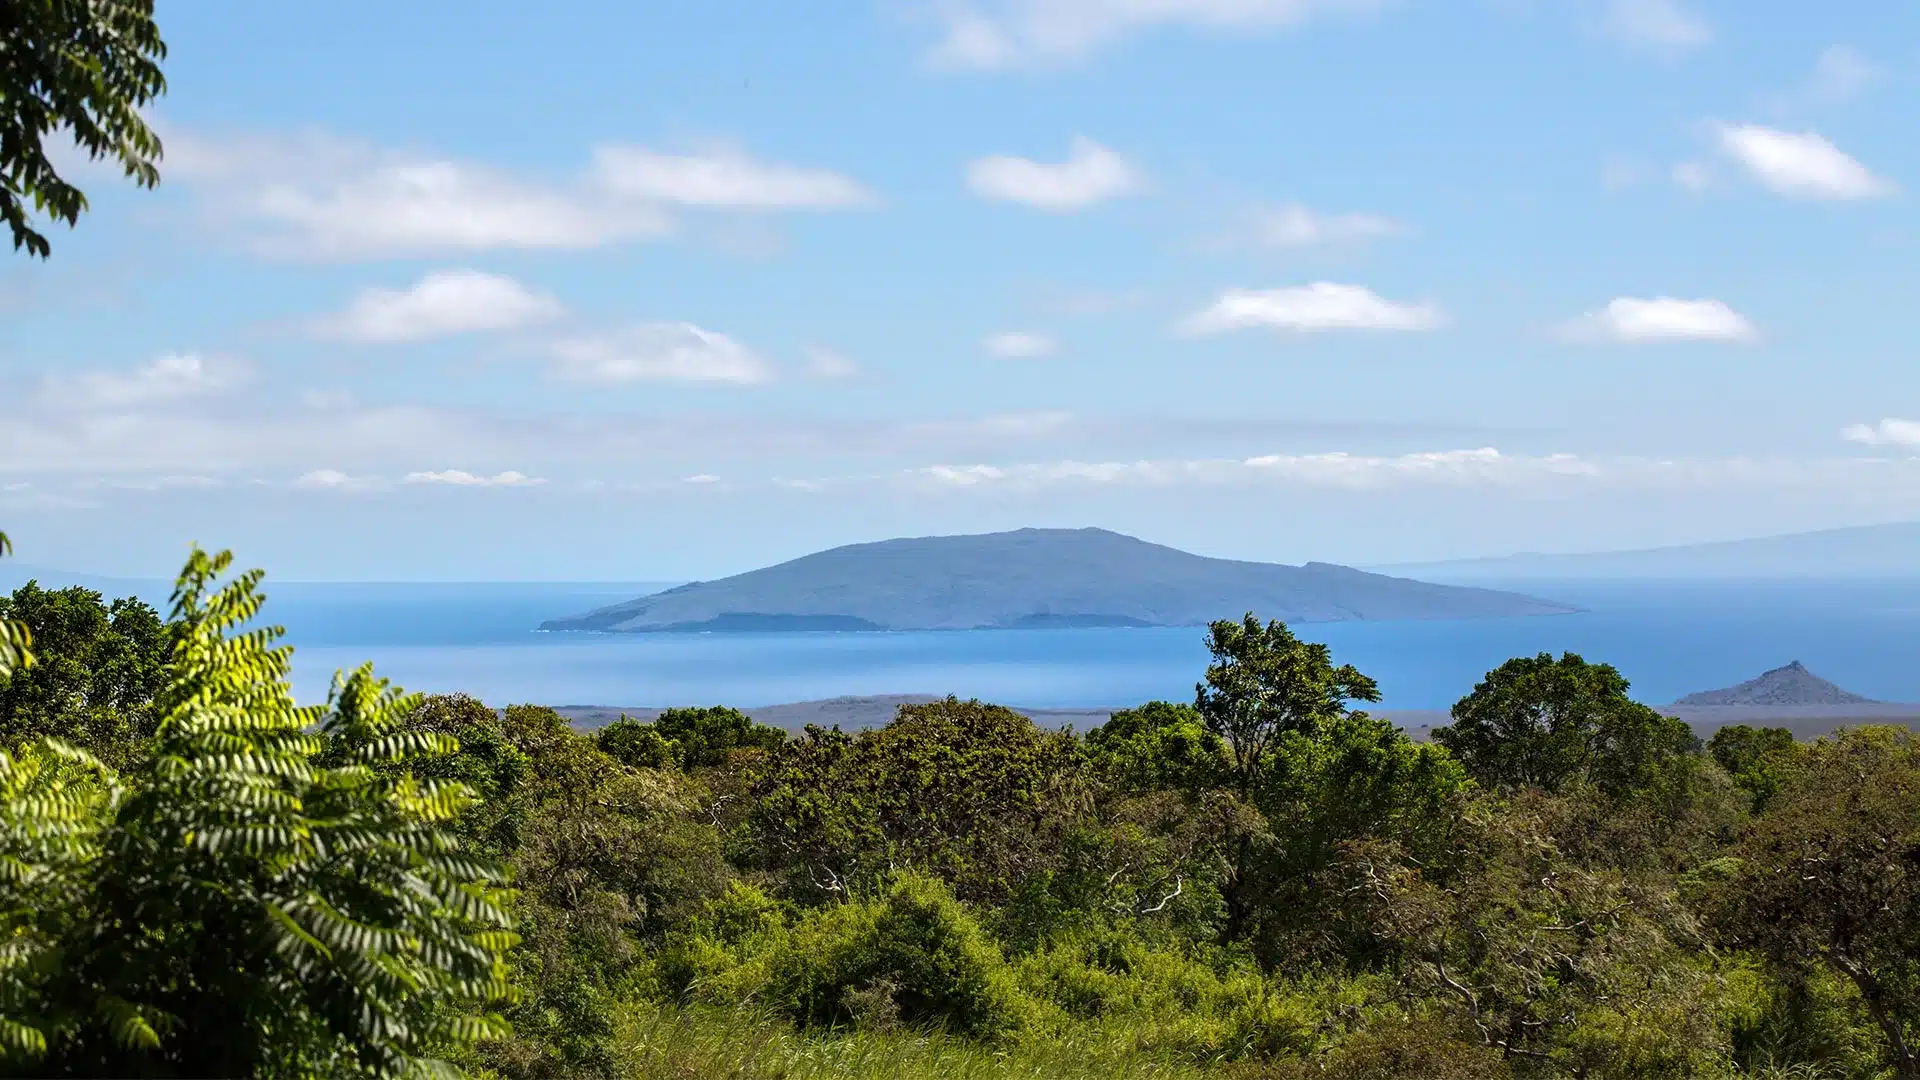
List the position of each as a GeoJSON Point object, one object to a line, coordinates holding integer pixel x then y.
{"type": "Point", "coordinates": [1789, 685]}
{"type": "Point", "coordinates": [1875, 552]}
{"type": "Point", "coordinates": [1036, 578]}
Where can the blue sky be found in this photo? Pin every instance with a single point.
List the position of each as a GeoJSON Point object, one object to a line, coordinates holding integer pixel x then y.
{"type": "Point", "coordinates": [658, 291]}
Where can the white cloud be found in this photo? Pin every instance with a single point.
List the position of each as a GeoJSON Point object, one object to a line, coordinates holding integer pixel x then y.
{"type": "Point", "coordinates": [660, 352]}
{"type": "Point", "coordinates": [170, 377]}
{"type": "Point", "coordinates": [1800, 164]}
{"type": "Point", "coordinates": [1888, 432]}
{"type": "Point", "coordinates": [442, 303]}
{"type": "Point", "coordinates": [1019, 33]}
{"type": "Point", "coordinates": [1092, 173]}
{"type": "Point", "coordinates": [323, 197]}
{"type": "Point", "coordinates": [828, 364]}
{"type": "Point", "coordinates": [702, 478]}
{"type": "Point", "coordinates": [1659, 24]}
{"type": "Point", "coordinates": [723, 178]}
{"type": "Point", "coordinates": [1320, 306]}
{"type": "Point", "coordinates": [1296, 226]}
{"type": "Point", "coordinates": [1019, 345]}
{"type": "Point", "coordinates": [333, 480]}
{"type": "Point", "coordinates": [1483, 466]}
{"type": "Point", "coordinates": [1663, 318]}
{"type": "Point", "coordinates": [462, 478]}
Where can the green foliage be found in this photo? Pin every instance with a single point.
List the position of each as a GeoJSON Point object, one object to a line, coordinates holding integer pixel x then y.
{"type": "Point", "coordinates": [1754, 758]}
{"type": "Point", "coordinates": [102, 666]}
{"type": "Point", "coordinates": [1829, 878]}
{"type": "Point", "coordinates": [1265, 683]}
{"type": "Point", "coordinates": [974, 794]}
{"type": "Point", "coordinates": [57, 801]}
{"type": "Point", "coordinates": [607, 857]}
{"type": "Point", "coordinates": [16, 641]}
{"type": "Point", "coordinates": [911, 955]}
{"type": "Point", "coordinates": [674, 1043]}
{"type": "Point", "coordinates": [1544, 960]}
{"type": "Point", "coordinates": [686, 739]}
{"type": "Point", "coordinates": [1537, 721]}
{"type": "Point", "coordinates": [1158, 746]}
{"type": "Point", "coordinates": [83, 69]}
{"type": "Point", "coordinates": [270, 897]}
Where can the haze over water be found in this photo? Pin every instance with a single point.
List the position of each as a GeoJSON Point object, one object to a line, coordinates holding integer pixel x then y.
{"type": "Point", "coordinates": [1669, 639]}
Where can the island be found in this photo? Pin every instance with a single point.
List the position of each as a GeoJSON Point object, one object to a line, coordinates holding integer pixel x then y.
{"type": "Point", "coordinates": [1789, 685]}
{"type": "Point", "coordinates": [1036, 578]}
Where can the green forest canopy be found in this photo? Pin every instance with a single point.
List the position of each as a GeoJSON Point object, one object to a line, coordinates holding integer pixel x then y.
{"type": "Point", "coordinates": [203, 878]}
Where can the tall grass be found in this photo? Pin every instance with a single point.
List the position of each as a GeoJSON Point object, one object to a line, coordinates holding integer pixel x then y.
{"type": "Point", "coordinates": [669, 1043]}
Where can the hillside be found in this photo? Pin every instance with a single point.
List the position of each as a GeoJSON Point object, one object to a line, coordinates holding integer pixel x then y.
{"type": "Point", "coordinates": [1790, 685]}
{"type": "Point", "coordinates": [1036, 578]}
{"type": "Point", "coordinates": [1869, 551]}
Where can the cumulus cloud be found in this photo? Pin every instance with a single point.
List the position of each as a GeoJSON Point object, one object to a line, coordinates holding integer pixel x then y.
{"type": "Point", "coordinates": [442, 303]}
{"type": "Point", "coordinates": [1297, 226]}
{"type": "Point", "coordinates": [1888, 432]}
{"type": "Point", "coordinates": [660, 352]}
{"type": "Point", "coordinates": [1091, 174]}
{"type": "Point", "coordinates": [334, 480]}
{"type": "Point", "coordinates": [169, 377]}
{"type": "Point", "coordinates": [462, 478]}
{"type": "Point", "coordinates": [725, 177]}
{"type": "Point", "coordinates": [1631, 320]}
{"type": "Point", "coordinates": [1308, 308]}
{"type": "Point", "coordinates": [1022, 33]}
{"type": "Point", "coordinates": [1800, 164]}
{"type": "Point", "coordinates": [323, 197]}
{"type": "Point", "coordinates": [1019, 345]}
{"type": "Point", "coordinates": [1656, 24]}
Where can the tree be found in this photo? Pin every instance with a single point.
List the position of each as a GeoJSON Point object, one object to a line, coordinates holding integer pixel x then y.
{"type": "Point", "coordinates": [1158, 746]}
{"type": "Point", "coordinates": [686, 738]}
{"type": "Point", "coordinates": [1537, 721]}
{"type": "Point", "coordinates": [264, 895]}
{"type": "Point", "coordinates": [1754, 758]}
{"type": "Point", "coordinates": [606, 857]}
{"type": "Point", "coordinates": [16, 641]}
{"type": "Point", "coordinates": [83, 69]}
{"type": "Point", "coordinates": [975, 794]}
{"type": "Point", "coordinates": [1830, 876]}
{"type": "Point", "coordinates": [99, 666]}
{"type": "Point", "coordinates": [1263, 685]}
{"type": "Point", "coordinates": [1546, 961]}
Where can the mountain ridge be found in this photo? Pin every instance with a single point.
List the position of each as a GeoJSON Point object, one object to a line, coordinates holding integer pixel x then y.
{"type": "Point", "coordinates": [1034, 578]}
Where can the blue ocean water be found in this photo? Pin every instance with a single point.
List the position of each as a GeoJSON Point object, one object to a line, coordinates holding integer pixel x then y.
{"type": "Point", "coordinates": [1668, 638]}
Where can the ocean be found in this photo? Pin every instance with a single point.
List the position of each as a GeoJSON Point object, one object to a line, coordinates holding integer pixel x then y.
{"type": "Point", "coordinates": [1669, 639]}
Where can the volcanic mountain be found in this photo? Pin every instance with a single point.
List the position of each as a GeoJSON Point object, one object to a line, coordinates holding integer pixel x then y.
{"type": "Point", "coordinates": [1790, 685]}
{"type": "Point", "coordinates": [1033, 578]}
